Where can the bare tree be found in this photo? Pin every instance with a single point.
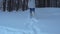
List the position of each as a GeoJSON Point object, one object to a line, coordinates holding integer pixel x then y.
{"type": "Point", "coordinates": [4, 5]}
{"type": "Point", "coordinates": [17, 5]}
{"type": "Point", "coordinates": [20, 4]}
{"type": "Point", "coordinates": [25, 5]}
{"type": "Point", "coordinates": [10, 5]}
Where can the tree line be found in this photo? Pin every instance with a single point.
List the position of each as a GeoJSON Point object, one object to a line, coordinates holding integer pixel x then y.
{"type": "Point", "coordinates": [47, 3]}
{"type": "Point", "coordinates": [11, 5]}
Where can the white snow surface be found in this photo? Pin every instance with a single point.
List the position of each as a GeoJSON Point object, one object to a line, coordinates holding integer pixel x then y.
{"type": "Point", "coordinates": [45, 21]}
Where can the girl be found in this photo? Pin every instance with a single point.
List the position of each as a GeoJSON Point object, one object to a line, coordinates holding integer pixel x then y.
{"type": "Point", "coordinates": [31, 5]}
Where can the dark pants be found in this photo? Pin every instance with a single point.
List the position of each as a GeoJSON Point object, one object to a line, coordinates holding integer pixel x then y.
{"type": "Point", "coordinates": [32, 10]}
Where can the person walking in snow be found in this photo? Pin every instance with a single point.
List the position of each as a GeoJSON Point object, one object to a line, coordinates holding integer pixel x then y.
{"type": "Point", "coordinates": [31, 5]}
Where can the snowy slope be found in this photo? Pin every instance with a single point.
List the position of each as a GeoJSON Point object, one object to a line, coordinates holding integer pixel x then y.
{"type": "Point", "coordinates": [19, 21]}
{"type": "Point", "coordinates": [47, 22]}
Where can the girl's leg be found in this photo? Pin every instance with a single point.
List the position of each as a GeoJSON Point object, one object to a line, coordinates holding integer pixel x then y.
{"type": "Point", "coordinates": [32, 12]}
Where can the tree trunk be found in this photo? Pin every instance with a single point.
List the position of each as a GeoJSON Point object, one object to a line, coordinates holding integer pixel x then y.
{"type": "Point", "coordinates": [4, 5]}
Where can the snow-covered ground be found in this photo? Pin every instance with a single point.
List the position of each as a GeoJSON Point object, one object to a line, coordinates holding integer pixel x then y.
{"type": "Point", "coordinates": [46, 21]}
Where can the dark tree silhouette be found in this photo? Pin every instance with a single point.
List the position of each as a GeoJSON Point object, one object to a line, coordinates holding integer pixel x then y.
{"type": "Point", "coordinates": [20, 4]}
{"type": "Point", "coordinates": [25, 5]}
{"type": "Point", "coordinates": [9, 8]}
{"type": "Point", "coordinates": [17, 5]}
{"type": "Point", "coordinates": [13, 4]}
{"type": "Point", "coordinates": [47, 3]}
{"type": "Point", "coordinates": [4, 5]}
{"type": "Point", "coordinates": [10, 5]}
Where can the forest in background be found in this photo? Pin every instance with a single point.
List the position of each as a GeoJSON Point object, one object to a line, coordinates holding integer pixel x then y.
{"type": "Point", "coordinates": [14, 5]}
{"type": "Point", "coordinates": [11, 5]}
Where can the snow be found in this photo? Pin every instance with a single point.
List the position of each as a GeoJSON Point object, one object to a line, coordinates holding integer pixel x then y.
{"type": "Point", "coordinates": [46, 21]}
